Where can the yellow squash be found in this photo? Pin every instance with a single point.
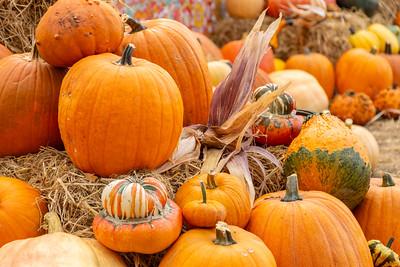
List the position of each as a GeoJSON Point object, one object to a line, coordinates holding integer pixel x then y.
{"type": "Point", "coordinates": [365, 39]}
{"type": "Point", "coordinates": [385, 36]}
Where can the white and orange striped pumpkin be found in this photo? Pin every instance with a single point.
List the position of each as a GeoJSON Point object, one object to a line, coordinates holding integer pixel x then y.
{"type": "Point", "coordinates": [126, 199]}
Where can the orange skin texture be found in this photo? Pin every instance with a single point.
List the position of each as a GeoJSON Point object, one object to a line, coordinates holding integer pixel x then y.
{"type": "Point", "coordinates": [147, 237]}
{"type": "Point", "coordinates": [4, 51]}
{"type": "Point", "coordinates": [397, 21]}
{"type": "Point", "coordinates": [73, 29]}
{"type": "Point", "coordinates": [58, 249]}
{"type": "Point", "coordinates": [316, 231]}
{"type": "Point", "coordinates": [173, 46]}
{"type": "Point", "coordinates": [29, 96]}
{"type": "Point", "coordinates": [358, 70]}
{"type": "Point", "coordinates": [200, 214]}
{"type": "Point", "coordinates": [195, 248]}
{"type": "Point", "coordinates": [388, 99]}
{"type": "Point", "coordinates": [210, 49]}
{"type": "Point", "coordinates": [368, 139]}
{"type": "Point", "coordinates": [378, 214]}
{"type": "Point", "coordinates": [231, 50]}
{"type": "Point", "coordinates": [358, 107]}
{"type": "Point", "coordinates": [261, 79]}
{"type": "Point", "coordinates": [139, 115]}
{"type": "Point", "coordinates": [317, 65]}
{"type": "Point", "coordinates": [230, 192]}
{"type": "Point", "coordinates": [394, 61]}
{"type": "Point", "coordinates": [21, 210]}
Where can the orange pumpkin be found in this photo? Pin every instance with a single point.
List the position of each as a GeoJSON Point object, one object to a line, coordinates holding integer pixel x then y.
{"type": "Point", "coordinates": [394, 61]}
{"type": "Point", "coordinates": [261, 79]}
{"type": "Point", "coordinates": [227, 189]}
{"type": "Point", "coordinates": [388, 99]}
{"type": "Point", "coordinates": [172, 46]}
{"type": "Point", "coordinates": [210, 49]}
{"type": "Point", "coordinates": [29, 104]}
{"type": "Point", "coordinates": [4, 51]}
{"type": "Point", "coordinates": [277, 6]}
{"type": "Point", "coordinates": [139, 114]}
{"type": "Point", "coordinates": [135, 219]}
{"type": "Point", "coordinates": [363, 72]}
{"type": "Point", "coordinates": [225, 246]}
{"type": "Point", "coordinates": [298, 226]}
{"type": "Point", "coordinates": [378, 213]}
{"type": "Point", "coordinates": [21, 210]}
{"type": "Point", "coordinates": [317, 65]}
{"type": "Point", "coordinates": [356, 106]}
{"type": "Point", "coordinates": [204, 213]}
{"type": "Point", "coordinates": [73, 29]}
{"type": "Point", "coordinates": [231, 50]}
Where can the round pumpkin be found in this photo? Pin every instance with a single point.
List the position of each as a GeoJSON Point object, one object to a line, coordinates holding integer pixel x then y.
{"type": "Point", "coordinates": [219, 70]}
{"type": "Point", "coordinates": [244, 9]}
{"type": "Point", "coordinates": [227, 245]}
{"type": "Point", "coordinates": [73, 29]}
{"type": "Point", "coordinates": [296, 226]}
{"type": "Point", "coordinates": [385, 36]}
{"type": "Point", "coordinates": [29, 104]}
{"type": "Point", "coordinates": [383, 255]}
{"type": "Point", "coordinates": [210, 49]}
{"type": "Point", "coordinates": [172, 46]}
{"type": "Point", "coordinates": [282, 105]}
{"type": "Point", "coordinates": [369, 141]}
{"type": "Point", "coordinates": [4, 51]}
{"type": "Point", "coordinates": [388, 99]}
{"type": "Point", "coordinates": [277, 6]}
{"type": "Point", "coordinates": [394, 61]}
{"type": "Point", "coordinates": [304, 87]}
{"type": "Point", "coordinates": [136, 219]}
{"type": "Point", "coordinates": [227, 189]}
{"type": "Point", "coordinates": [363, 72]}
{"type": "Point", "coordinates": [317, 65]}
{"type": "Point", "coordinates": [261, 79]}
{"type": "Point", "coordinates": [351, 105]}
{"type": "Point", "coordinates": [58, 249]}
{"type": "Point", "coordinates": [378, 213]}
{"type": "Point", "coordinates": [328, 157]}
{"type": "Point", "coordinates": [138, 114]}
{"type": "Point", "coordinates": [204, 213]}
{"type": "Point", "coordinates": [231, 49]}
{"type": "Point", "coordinates": [21, 210]}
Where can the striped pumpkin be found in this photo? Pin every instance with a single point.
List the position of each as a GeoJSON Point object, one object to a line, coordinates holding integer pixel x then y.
{"type": "Point", "coordinates": [125, 199]}
{"type": "Point", "coordinates": [283, 105]}
{"type": "Point", "coordinates": [382, 255]}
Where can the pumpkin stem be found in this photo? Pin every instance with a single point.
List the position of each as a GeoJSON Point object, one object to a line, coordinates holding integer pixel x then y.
{"type": "Point", "coordinates": [388, 48]}
{"type": "Point", "coordinates": [350, 93]}
{"type": "Point", "coordinates": [223, 235]}
{"type": "Point", "coordinates": [352, 30]}
{"type": "Point", "coordinates": [387, 180]}
{"type": "Point", "coordinates": [390, 242]}
{"type": "Point", "coordinates": [373, 50]}
{"type": "Point", "coordinates": [126, 58]}
{"type": "Point", "coordinates": [211, 180]}
{"type": "Point", "coordinates": [135, 25]}
{"type": "Point", "coordinates": [35, 53]}
{"type": "Point", "coordinates": [53, 222]}
{"type": "Point", "coordinates": [349, 123]}
{"type": "Point", "coordinates": [203, 192]}
{"type": "Point", "coordinates": [307, 51]}
{"type": "Point", "coordinates": [292, 189]}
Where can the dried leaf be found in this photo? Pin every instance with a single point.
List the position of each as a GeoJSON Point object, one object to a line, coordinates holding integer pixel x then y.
{"type": "Point", "coordinates": [91, 177]}
{"type": "Point", "coordinates": [211, 159]}
{"type": "Point", "coordinates": [265, 153]}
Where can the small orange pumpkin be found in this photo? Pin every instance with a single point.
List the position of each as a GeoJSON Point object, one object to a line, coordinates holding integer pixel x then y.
{"type": "Point", "coordinates": [204, 213]}
{"type": "Point", "coordinates": [351, 105]}
{"type": "Point", "coordinates": [363, 72]}
{"type": "Point", "coordinates": [210, 49]}
{"type": "Point", "coordinates": [388, 99]}
{"type": "Point", "coordinates": [4, 51]}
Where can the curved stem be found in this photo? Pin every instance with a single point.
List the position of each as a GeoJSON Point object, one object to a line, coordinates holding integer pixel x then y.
{"type": "Point", "coordinates": [135, 25]}
{"type": "Point", "coordinates": [35, 53]}
{"type": "Point", "coordinates": [388, 48]}
{"type": "Point", "coordinates": [390, 242]}
{"type": "Point", "coordinates": [292, 189]}
{"type": "Point", "coordinates": [387, 180]}
{"type": "Point", "coordinates": [211, 181]}
{"type": "Point", "coordinates": [223, 235]}
{"type": "Point", "coordinates": [126, 58]}
{"type": "Point", "coordinates": [203, 192]}
{"type": "Point", "coordinates": [53, 222]}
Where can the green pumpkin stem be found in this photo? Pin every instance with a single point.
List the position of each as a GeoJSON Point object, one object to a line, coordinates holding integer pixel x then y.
{"type": "Point", "coordinates": [388, 48]}
{"type": "Point", "coordinates": [203, 192]}
{"type": "Point", "coordinates": [126, 58]}
{"type": "Point", "coordinates": [135, 25]}
{"type": "Point", "coordinates": [292, 189]}
{"type": "Point", "coordinates": [223, 235]}
{"type": "Point", "coordinates": [387, 180]}
{"type": "Point", "coordinates": [211, 181]}
{"type": "Point", "coordinates": [53, 222]}
{"type": "Point", "coordinates": [390, 242]}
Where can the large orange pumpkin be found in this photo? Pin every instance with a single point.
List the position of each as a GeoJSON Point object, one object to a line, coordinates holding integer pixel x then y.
{"type": "Point", "coordinates": [118, 114]}
{"type": "Point", "coordinates": [223, 246]}
{"type": "Point", "coordinates": [361, 71]}
{"type": "Point", "coordinates": [231, 50]}
{"type": "Point", "coordinates": [137, 217]}
{"type": "Point", "coordinates": [378, 213]}
{"type": "Point", "coordinates": [394, 61]}
{"type": "Point", "coordinates": [74, 29]}
{"type": "Point", "coordinates": [173, 46]}
{"type": "Point", "coordinates": [21, 210]}
{"type": "Point", "coordinates": [210, 49]}
{"type": "Point", "coordinates": [4, 51]}
{"type": "Point", "coordinates": [310, 228]}
{"type": "Point", "coordinates": [227, 189]}
{"type": "Point", "coordinates": [29, 104]}
{"type": "Point", "coordinates": [244, 9]}
{"type": "Point", "coordinates": [317, 65]}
